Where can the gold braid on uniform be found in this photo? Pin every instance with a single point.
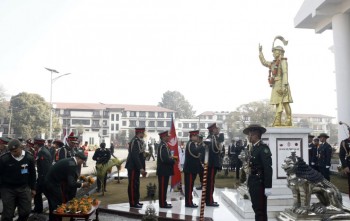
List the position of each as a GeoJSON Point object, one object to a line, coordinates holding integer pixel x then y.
{"type": "Point", "coordinates": [189, 150]}
{"type": "Point", "coordinates": [216, 145]}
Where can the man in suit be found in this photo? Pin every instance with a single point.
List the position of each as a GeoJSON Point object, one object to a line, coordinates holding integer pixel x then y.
{"type": "Point", "coordinates": [214, 163]}
{"type": "Point", "coordinates": [62, 180]}
{"type": "Point", "coordinates": [324, 156]}
{"type": "Point", "coordinates": [165, 168]}
{"type": "Point", "coordinates": [260, 177]}
{"type": "Point", "coordinates": [191, 167]}
{"type": "Point", "coordinates": [101, 156]}
{"type": "Point", "coordinates": [43, 163]}
{"type": "Point", "coordinates": [135, 168]}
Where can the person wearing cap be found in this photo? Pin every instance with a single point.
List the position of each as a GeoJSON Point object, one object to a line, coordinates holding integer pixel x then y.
{"type": "Point", "coordinates": [17, 175]}
{"type": "Point", "coordinates": [165, 168]}
{"type": "Point", "coordinates": [29, 146]}
{"type": "Point", "coordinates": [191, 167]}
{"type": "Point", "coordinates": [67, 151]}
{"type": "Point", "coordinates": [3, 145]}
{"type": "Point", "coordinates": [201, 150]}
{"type": "Point", "coordinates": [62, 180]}
{"type": "Point", "coordinates": [51, 149]}
{"type": "Point", "coordinates": [57, 145]}
{"type": "Point", "coordinates": [43, 163]}
{"type": "Point", "coordinates": [260, 177]}
{"type": "Point", "coordinates": [344, 156]}
{"type": "Point", "coordinates": [135, 168]}
{"type": "Point", "coordinates": [312, 152]}
{"type": "Point", "coordinates": [278, 79]}
{"type": "Point", "coordinates": [324, 156]}
{"type": "Point", "coordinates": [101, 156]}
{"type": "Point", "coordinates": [214, 162]}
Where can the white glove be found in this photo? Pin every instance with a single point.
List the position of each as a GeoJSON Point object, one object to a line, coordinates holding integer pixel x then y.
{"type": "Point", "coordinates": [328, 167]}
{"type": "Point", "coordinates": [268, 191]}
{"type": "Point", "coordinates": [312, 163]}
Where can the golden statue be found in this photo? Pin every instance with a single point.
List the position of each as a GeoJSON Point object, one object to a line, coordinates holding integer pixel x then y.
{"type": "Point", "coordinates": [278, 80]}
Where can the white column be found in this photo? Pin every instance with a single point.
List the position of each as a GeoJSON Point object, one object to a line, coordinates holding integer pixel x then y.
{"type": "Point", "coordinates": [341, 38]}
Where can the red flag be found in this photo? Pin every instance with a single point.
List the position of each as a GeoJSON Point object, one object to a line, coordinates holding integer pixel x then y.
{"type": "Point", "coordinates": [173, 145]}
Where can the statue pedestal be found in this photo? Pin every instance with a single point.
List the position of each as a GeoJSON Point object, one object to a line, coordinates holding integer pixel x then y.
{"type": "Point", "coordinates": [282, 141]}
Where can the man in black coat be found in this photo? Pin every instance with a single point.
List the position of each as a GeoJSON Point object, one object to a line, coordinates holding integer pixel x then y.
{"type": "Point", "coordinates": [68, 150]}
{"type": "Point", "coordinates": [260, 177]}
{"type": "Point", "coordinates": [102, 156]}
{"type": "Point", "coordinates": [201, 149]}
{"type": "Point", "coordinates": [238, 149]}
{"type": "Point", "coordinates": [43, 164]}
{"type": "Point", "coordinates": [344, 156]}
{"type": "Point", "coordinates": [324, 156]}
{"type": "Point", "coordinates": [135, 168]}
{"type": "Point", "coordinates": [62, 180]}
{"type": "Point", "coordinates": [312, 152]}
{"type": "Point", "coordinates": [17, 175]}
{"type": "Point", "coordinates": [165, 168]}
{"type": "Point", "coordinates": [214, 163]}
{"type": "Point", "coordinates": [191, 167]}
{"type": "Point", "coordinates": [231, 155]}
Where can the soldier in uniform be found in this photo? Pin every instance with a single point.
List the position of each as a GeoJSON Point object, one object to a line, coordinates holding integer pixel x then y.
{"type": "Point", "coordinates": [191, 167]}
{"type": "Point", "coordinates": [51, 149]}
{"type": "Point", "coordinates": [67, 151]}
{"type": "Point", "coordinates": [101, 156]}
{"type": "Point", "coordinates": [231, 155]}
{"type": "Point", "coordinates": [165, 168]}
{"type": "Point", "coordinates": [3, 143]}
{"type": "Point", "coordinates": [62, 180]}
{"type": "Point", "coordinates": [324, 156]}
{"type": "Point", "coordinates": [135, 168]}
{"type": "Point", "coordinates": [43, 163]}
{"type": "Point", "coordinates": [17, 175]}
{"type": "Point", "coordinates": [238, 149]}
{"type": "Point", "coordinates": [344, 156]}
{"type": "Point", "coordinates": [214, 163]}
{"type": "Point", "coordinates": [260, 177]}
{"type": "Point", "coordinates": [312, 153]}
{"type": "Point", "coordinates": [29, 146]}
{"type": "Point", "coordinates": [201, 149]}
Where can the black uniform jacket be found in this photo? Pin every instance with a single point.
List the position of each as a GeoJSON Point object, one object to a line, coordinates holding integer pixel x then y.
{"type": "Point", "coordinates": [101, 155]}
{"type": "Point", "coordinates": [165, 163]}
{"type": "Point", "coordinates": [192, 158]}
{"type": "Point", "coordinates": [324, 155]}
{"type": "Point", "coordinates": [66, 172]}
{"type": "Point", "coordinates": [261, 163]}
{"type": "Point", "coordinates": [344, 153]}
{"type": "Point", "coordinates": [214, 152]}
{"type": "Point", "coordinates": [43, 163]}
{"type": "Point", "coordinates": [133, 161]}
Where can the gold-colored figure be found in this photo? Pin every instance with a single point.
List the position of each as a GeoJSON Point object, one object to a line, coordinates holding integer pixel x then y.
{"type": "Point", "coordinates": [278, 80]}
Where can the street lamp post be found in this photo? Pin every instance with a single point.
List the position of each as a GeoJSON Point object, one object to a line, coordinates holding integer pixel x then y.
{"type": "Point", "coordinates": [9, 128]}
{"type": "Point", "coordinates": [52, 81]}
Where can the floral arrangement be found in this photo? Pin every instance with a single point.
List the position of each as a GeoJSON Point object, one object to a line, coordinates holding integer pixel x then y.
{"type": "Point", "coordinates": [83, 206]}
{"type": "Point", "coordinates": [88, 179]}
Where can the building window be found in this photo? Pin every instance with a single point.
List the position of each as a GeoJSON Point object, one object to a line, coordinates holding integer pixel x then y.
{"type": "Point", "coordinates": [112, 117]}
{"type": "Point", "coordinates": [124, 123]}
{"type": "Point", "coordinates": [95, 123]}
{"type": "Point", "coordinates": [169, 114]}
{"type": "Point", "coordinates": [66, 112]}
{"type": "Point", "coordinates": [245, 118]}
{"type": "Point", "coordinates": [142, 114]}
{"type": "Point", "coordinates": [160, 114]}
{"type": "Point", "coordinates": [132, 113]}
{"type": "Point", "coordinates": [151, 114]}
{"type": "Point", "coordinates": [186, 125]}
{"type": "Point", "coordinates": [210, 117]}
{"type": "Point", "coordinates": [220, 117]}
{"type": "Point", "coordinates": [104, 132]}
{"type": "Point", "coordinates": [104, 122]}
{"type": "Point", "coordinates": [168, 123]}
{"type": "Point", "coordinates": [80, 122]}
{"type": "Point", "coordinates": [142, 123]}
{"type": "Point", "coordinates": [193, 125]}
{"type": "Point", "coordinates": [179, 125]}
{"type": "Point", "coordinates": [151, 123]}
{"type": "Point", "coordinates": [91, 140]}
{"type": "Point", "coordinates": [179, 134]}
{"type": "Point", "coordinates": [160, 123]}
{"type": "Point", "coordinates": [117, 117]}
{"type": "Point", "coordinates": [132, 123]}
{"type": "Point", "coordinates": [124, 114]}
{"type": "Point", "coordinates": [96, 113]}
{"type": "Point", "coordinates": [112, 127]}
{"type": "Point", "coordinates": [95, 130]}
{"type": "Point", "coordinates": [116, 127]}
{"type": "Point", "coordinates": [185, 134]}
{"type": "Point", "coordinates": [202, 125]}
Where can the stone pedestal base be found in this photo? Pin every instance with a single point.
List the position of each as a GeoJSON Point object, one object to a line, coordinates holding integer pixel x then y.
{"type": "Point", "coordinates": [287, 215]}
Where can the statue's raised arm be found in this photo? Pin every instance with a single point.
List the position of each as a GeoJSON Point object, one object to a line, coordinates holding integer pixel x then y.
{"type": "Point", "coordinates": [278, 80]}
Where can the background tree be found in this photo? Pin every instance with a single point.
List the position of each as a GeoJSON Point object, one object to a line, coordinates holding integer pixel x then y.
{"type": "Point", "coordinates": [3, 104]}
{"type": "Point", "coordinates": [174, 100]}
{"type": "Point", "coordinates": [260, 112]}
{"type": "Point", "coordinates": [30, 115]}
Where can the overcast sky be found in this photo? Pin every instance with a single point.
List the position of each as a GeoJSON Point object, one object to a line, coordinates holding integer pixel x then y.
{"type": "Point", "coordinates": [131, 52]}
